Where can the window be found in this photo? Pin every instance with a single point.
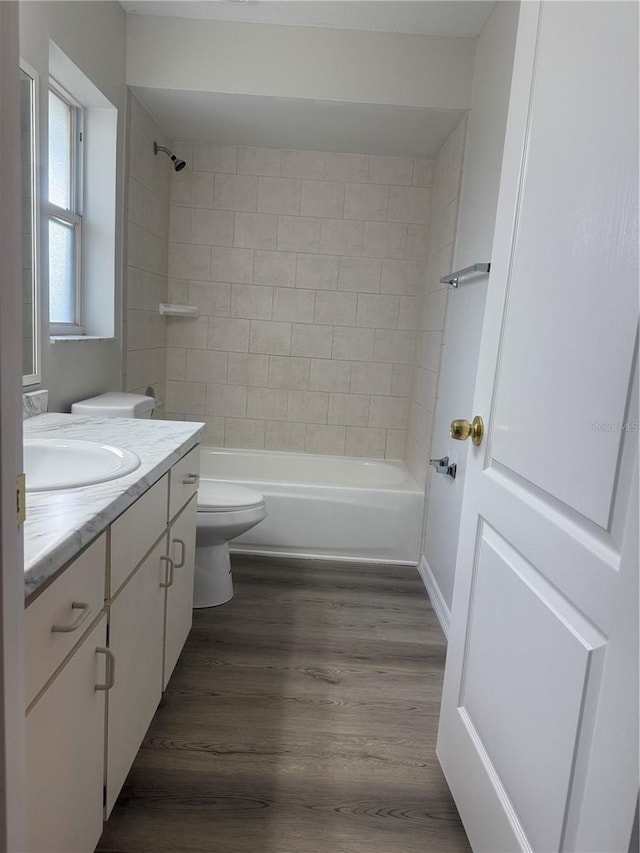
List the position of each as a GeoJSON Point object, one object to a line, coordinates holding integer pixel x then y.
{"type": "Point", "coordinates": [65, 212]}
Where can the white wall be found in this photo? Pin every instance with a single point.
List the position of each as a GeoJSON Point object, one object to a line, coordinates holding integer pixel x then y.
{"type": "Point", "coordinates": [299, 62]}
{"type": "Point", "coordinates": [93, 36]}
{"type": "Point", "coordinates": [476, 220]}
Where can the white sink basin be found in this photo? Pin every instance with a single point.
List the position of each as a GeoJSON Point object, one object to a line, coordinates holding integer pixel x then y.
{"type": "Point", "coordinates": [53, 463]}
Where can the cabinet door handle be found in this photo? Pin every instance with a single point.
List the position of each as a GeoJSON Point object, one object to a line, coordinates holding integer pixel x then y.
{"type": "Point", "coordinates": [171, 567]}
{"type": "Point", "coordinates": [191, 479]}
{"type": "Point", "coordinates": [85, 610]}
{"type": "Point", "coordinates": [183, 554]}
{"type": "Point", "coordinates": [110, 674]}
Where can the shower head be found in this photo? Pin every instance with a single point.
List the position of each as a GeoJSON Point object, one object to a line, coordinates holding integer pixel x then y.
{"type": "Point", "coordinates": [178, 165]}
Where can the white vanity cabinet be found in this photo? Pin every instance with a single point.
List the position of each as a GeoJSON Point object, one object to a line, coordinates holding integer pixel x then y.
{"type": "Point", "coordinates": [102, 642]}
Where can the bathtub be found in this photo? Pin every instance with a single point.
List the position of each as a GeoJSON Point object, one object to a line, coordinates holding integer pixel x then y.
{"type": "Point", "coordinates": [327, 507]}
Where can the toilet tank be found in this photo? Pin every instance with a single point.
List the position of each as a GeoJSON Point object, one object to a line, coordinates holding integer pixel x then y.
{"type": "Point", "coordinates": [116, 404]}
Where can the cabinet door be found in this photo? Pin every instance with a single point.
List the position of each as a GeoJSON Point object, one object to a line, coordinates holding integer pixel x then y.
{"type": "Point", "coordinates": [65, 755]}
{"type": "Point", "coordinates": [135, 638]}
{"type": "Point", "coordinates": [179, 615]}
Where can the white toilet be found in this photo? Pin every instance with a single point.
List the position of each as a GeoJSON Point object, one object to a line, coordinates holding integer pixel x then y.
{"type": "Point", "coordinates": [225, 510]}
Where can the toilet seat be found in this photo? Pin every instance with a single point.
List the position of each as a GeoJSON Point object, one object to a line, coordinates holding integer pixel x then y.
{"type": "Point", "coordinates": [216, 496]}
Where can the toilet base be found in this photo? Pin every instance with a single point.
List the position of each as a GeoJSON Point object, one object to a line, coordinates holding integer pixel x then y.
{"type": "Point", "coordinates": [213, 584]}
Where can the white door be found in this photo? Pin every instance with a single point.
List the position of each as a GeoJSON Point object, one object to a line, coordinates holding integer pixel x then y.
{"type": "Point", "coordinates": [179, 606]}
{"type": "Point", "coordinates": [538, 733]}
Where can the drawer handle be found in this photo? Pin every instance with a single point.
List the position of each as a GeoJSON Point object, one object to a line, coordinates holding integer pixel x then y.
{"type": "Point", "coordinates": [191, 479]}
{"type": "Point", "coordinates": [110, 674]}
{"type": "Point", "coordinates": [183, 553]}
{"type": "Point", "coordinates": [171, 567]}
{"type": "Point", "coordinates": [85, 610]}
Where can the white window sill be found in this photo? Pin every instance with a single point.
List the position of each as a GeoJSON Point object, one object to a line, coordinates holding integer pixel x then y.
{"type": "Point", "coordinates": [58, 338]}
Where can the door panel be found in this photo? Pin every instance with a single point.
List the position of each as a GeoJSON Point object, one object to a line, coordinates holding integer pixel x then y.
{"type": "Point", "coordinates": [545, 578]}
{"type": "Point", "coordinates": [179, 611]}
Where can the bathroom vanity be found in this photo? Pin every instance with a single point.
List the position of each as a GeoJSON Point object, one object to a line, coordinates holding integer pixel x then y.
{"type": "Point", "coordinates": [109, 596]}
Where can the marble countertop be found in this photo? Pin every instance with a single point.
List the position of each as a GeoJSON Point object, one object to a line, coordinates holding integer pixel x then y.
{"type": "Point", "coordinates": [60, 523]}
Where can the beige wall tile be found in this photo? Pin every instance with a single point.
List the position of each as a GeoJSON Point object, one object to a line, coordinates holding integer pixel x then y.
{"type": "Point", "coordinates": [390, 170]}
{"type": "Point", "coordinates": [376, 311]}
{"type": "Point", "coordinates": [353, 344]}
{"type": "Point", "coordinates": [252, 302]}
{"type": "Point", "coordinates": [349, 409]}
{"type": "Point", "coordinates": [244, 433]}
{"type": "Point", "coordinates": [188, 261]}
{"type": "Point", "coordinates": [206, 366]}
{"type": "Point", "coordinates": [293, 305]}
{"type": "Point", "coordinates": [329, 375]}
{"type": "Point", "coordinates": [256, 230]}
{"type": "Point", "coordinates": [145, 290]}
{"type": "Point", "coordinates": [310, 407]}
{"type": "Point", "coordinates": [388, 412]}
{"type": "Point", "coordinates": [259, 161]}
{"type": "Point", "coordinates": [360, 275]}
{"type": "Point", "coordinates": [422, 172]}
{"type": "Point", "coordinates": [311, 340]}
{"type": "Point", "coordinates": [285, 372]}
{"type": "Point", "coordinates": [146, 251]}
{"type": "Point", "coordinates": [279, 195]}
{"type": "Point", "coordinates": [325, 439]}
{"type": "Point", "coordinates": [335, 309]}
{"type": "Point", "coordinates": [226, 401]}
{"type": "Point", "coordinates": [267, 403]}
{"type": "Point", "coordinates": [186, 332]}
{"type": "Point", "coordinates": [192, 189]}
{"type": "Point", "coordinates": [395, 444]}
{"type": "Point", "coordinates": [409, 314]}
{"type": "Point", "coordinates": [228, 335]}
{"type": "Point", "coordinates": [409, 204]}
{"type": "Point", "coordinates": [322, 198]}
{"type": "Point", "coordinates": [144, 367]}
{"type": "Point", "coordinates": [214, 434]}
{"type": "Point", "coordinates": [270, 338]}
{"type": "Point", "coordinates": [370, 378]}
{"type": "Point", "coordinates": [180, 225]}
{"type": "Point", "coordinates": [214, 158]}
{"type": "Point", "coordinates": [211, 227]}
{"type": "Point", "coordinates": [248, 369]}
{"type": "Point", "coordinates": [346, 167]}
{"type": "Point", "coordinates": [176, 363]}
{"type": "Point", "coordinates": [341, 237]}
{"type": "Point", "coordinates": [177, 290]}
{"type": "Point", "coordinates": [401, 380]}
{"type": "Point", "coordinates": [212, 298]}
{"type": "Point", "coordinates": [394, 346]}
{"type": "Point", "coordinates": [366, 201]}
{"type": "Point", "coordinates": [231, 265]}
{"type": "Point", "coordinates": [298, 234]}
{"type": "Point", "coordinates": [407, 277]}
{"type": "Point", "coordinates": [384, 240]}
{"type": "Point", "coordinates": [317, 272]}
{"type": "Point", "coordinates": [186, 397]}
{"type": "Point", "coordinates": [435, 306]}
{"type": "Point", "coordinates": [365, 442]}
{"type": "Point", "coordinates": [302, 164]}
{"type": "Point", "coordinates": [275, 268]}
{"type": "Point", "coordinates": [236, 192]}
{"type": "Point", "coordinates": [417, 242]}
{"type": "Point", "coordinates": [145, 330]}
{"type": "Point", "coordinates": [286, 436]}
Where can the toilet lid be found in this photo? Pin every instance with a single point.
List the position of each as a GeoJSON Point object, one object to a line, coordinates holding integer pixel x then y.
{"type": "Point", "coordinates": [214, 495]}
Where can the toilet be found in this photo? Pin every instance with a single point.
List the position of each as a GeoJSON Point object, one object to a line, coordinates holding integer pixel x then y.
{"type": "Point", "coordinates": [225, 510]}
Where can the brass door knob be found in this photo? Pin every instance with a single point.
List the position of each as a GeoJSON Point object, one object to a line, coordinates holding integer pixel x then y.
{"type": "Point", "coordinates": [462, 430]}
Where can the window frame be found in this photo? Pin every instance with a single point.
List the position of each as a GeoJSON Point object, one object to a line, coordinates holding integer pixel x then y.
{"type": "Point", "coordinates": [73, 216]}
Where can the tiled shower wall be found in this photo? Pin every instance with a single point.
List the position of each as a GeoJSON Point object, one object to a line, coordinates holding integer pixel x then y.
{"type": "Point", "coordinates": [147, 217]}
{"type": "Point", "coordinates": [431, 312]}
{"type": "Point", "coordinates": [308, 269]}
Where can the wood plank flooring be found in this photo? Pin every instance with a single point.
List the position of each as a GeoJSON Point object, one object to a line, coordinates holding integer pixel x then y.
{"type": "Point", "coordinates": [301, 718]}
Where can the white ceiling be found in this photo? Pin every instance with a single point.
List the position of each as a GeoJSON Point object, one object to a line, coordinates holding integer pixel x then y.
{"type": "Point", "coordinates": [428, 17]}
{"type": "Point", "coordinates": [309, 125]}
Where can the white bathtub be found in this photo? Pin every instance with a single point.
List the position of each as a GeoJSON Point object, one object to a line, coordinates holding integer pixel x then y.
{"type": "Point", "coordinates": [329, 507]}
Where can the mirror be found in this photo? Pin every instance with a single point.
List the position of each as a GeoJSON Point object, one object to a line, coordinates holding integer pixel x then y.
{"type": "Point", "coordinates": [30, 256]}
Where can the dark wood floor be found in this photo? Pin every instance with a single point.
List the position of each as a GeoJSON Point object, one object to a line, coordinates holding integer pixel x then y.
{"type": "Point", "coordinates": [301, 718]}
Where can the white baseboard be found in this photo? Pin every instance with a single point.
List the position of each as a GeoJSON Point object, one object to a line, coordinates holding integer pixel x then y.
{"type": "Point", "coordinates": [437, 601]}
